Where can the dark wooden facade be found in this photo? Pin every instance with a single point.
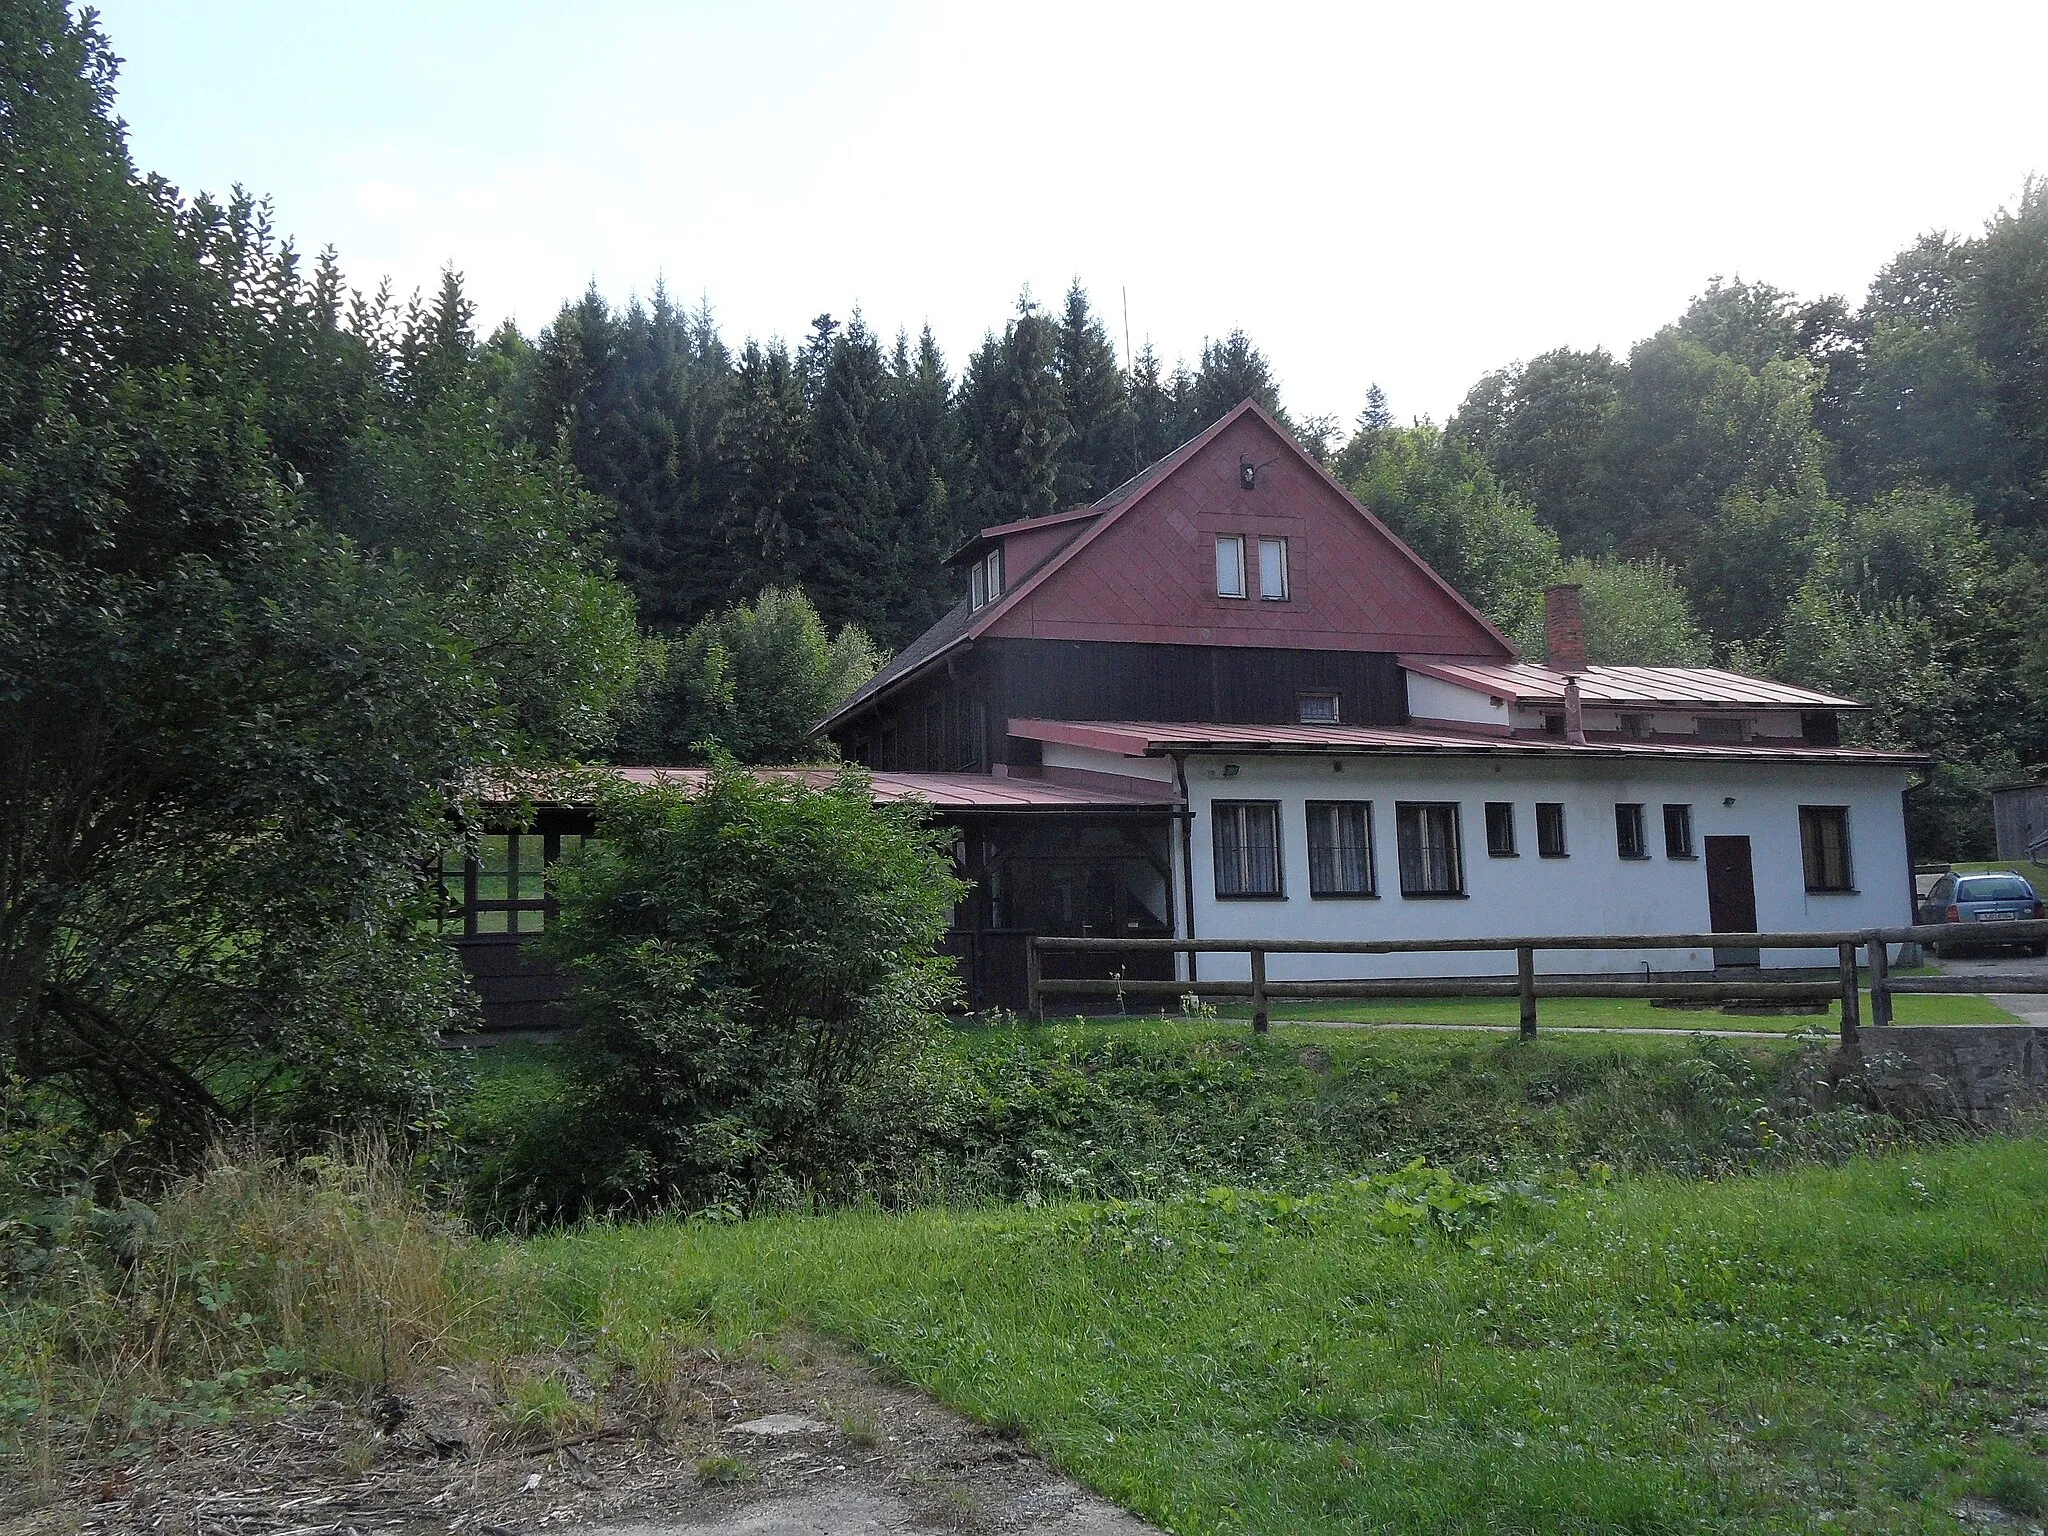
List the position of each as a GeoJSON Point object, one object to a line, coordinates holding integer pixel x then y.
{"type": "Point", "coordinates": [953, 717]}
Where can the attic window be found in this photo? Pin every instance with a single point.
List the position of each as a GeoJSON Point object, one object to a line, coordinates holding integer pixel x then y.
{"type": "Point", "coordinates": [1635, 727]}
{"type": "Point", "coordinates": [1319, 709]}
{"type": "Point", "coordinates": [1724, 728]}
{"type": "Point", "coordinates": [1553, 725]}
{"type": "Point", "coordinates": [1230, 565]}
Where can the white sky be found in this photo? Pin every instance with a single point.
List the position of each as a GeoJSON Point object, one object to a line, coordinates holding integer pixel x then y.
{"type": "Point", "coordinates": [1413, 194]}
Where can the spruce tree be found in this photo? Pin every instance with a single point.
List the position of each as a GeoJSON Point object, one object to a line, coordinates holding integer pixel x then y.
{"type": "Point", "coordinates": [765, 450]}
{"type": "Point", "coordinates": [1015, 421]}
{"type": "Point", "coordinates": [927, 473]}
{"type": "Point", "coordinates": [1233, 370]}
{"type": "Point", "coordinates": [1098, 406]}
{"type": "Point", "coordinates": [845, 552]}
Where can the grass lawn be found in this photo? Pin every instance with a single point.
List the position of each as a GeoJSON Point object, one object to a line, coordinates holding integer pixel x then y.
{"type": "Point", "coordinates": [1621, 1013]}
{"type": "Point", "coordinates": [1849, 1349]}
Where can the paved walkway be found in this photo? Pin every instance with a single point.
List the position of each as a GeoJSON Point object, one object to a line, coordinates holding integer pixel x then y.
{"type": "Point", "coordinates": [2030, 1006]}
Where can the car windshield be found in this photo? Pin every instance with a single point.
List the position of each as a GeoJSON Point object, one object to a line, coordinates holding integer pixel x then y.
{"type": "Point", "coordinates": [1997, 888]}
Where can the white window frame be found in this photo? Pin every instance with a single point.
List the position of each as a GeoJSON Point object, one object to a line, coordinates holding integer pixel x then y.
{"type": "Point", "coordinates": [1279, 545]}
{"type": "Point", "coordinates": [1230, 546]}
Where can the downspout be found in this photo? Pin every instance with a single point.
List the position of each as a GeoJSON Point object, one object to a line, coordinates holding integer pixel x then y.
{"type": "Point", "coordinates": [1187, 855]}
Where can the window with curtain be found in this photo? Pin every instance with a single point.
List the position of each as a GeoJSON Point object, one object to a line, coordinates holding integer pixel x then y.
{"type": "Point", "coordinates": [1340, 848]}
{"type": "Point", "coordinates": [1824, 841]}
{"type": "Point", "coordinates": [1428, 837]}
{"type": "Point", "coordinates": [1550, 830]}
{"type": "Point", "coordinates": [1678, 832]}
{"type": "Point", "coordinates": [1629, 838]}
{"type": "Point", "coordinates": [1500, 829]}
{"type": "Point", "coordinates": [1247, 839]}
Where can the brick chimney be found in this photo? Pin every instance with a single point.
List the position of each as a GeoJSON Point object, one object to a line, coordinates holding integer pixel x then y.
{"type": "Point", "coordinates": [1564, 628]}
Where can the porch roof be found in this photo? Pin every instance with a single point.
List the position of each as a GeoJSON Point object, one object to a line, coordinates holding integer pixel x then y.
{"type": "Point", "coordinates": [1148, 738]}
{"type": "Point", "coordinates": [942, 791]}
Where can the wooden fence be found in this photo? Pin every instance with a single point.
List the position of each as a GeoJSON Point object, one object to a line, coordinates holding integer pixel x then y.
{"type": "Point", "coordinates": [1526, 985]}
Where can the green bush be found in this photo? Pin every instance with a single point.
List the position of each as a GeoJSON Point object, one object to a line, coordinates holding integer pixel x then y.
{"type": "Point", "coordinates": [758, 983]}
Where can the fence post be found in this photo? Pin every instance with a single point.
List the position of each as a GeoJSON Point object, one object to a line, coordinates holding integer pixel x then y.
{"type": "Point", "coordinates": [1261, 1022]}
{"type": "Point", "coordinates": [1852, 1010]}
{"type": "Point", "coordinates": [1525, 982]}
{"type": "Point", "coordinates": [1034, 1003]}
{"type": "Point", "coordinates": [1880, 982]}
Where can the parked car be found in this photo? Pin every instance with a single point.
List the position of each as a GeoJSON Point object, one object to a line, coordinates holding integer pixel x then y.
{"type": "Point", "coordinates": [1996, 896]}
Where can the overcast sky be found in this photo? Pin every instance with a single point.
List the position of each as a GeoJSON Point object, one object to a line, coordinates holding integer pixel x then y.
{"type": "Point", "coordinates": [1412, 194]}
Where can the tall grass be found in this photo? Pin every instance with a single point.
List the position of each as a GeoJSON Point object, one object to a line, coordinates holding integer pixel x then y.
{"type": "Point", "coordinates": [242, 1284]}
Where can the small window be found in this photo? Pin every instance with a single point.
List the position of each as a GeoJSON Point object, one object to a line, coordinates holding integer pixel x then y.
{"type": "Point", "coordinates": [1428, 839]}
{"type": "Point", "coordinates": [1550, 830]}
{"type": "Point", "coordinates": [1340, 859]}
{"type": "Point", "coordinates": [1229, 565]}
{"type": "Point", "coordinates": [1824, 841]}
{"type": "Point", "coordinates": [1247, 840]}
{"type": "Point", "coordinates": [1500, 829]}
{"type": "Point", "coordinates": [977, 584]}
{"type": "Point", "coordinates": [1629, 840]}
{"type": "Point", "coordinates": [1319, 709]}
{"type": "Point", "coordinates": [1273, 569]}
{"type": "Point", "coordinates": [994, 563]}
{"type": "Point", "coordinates": [1727, 729]}
{"type": "Point", "coordinates": [1635, 727]}
{"type": "Point", "coordinates": [1553, 725]}
{"type": "Point", "coordinates": [1678, 832]}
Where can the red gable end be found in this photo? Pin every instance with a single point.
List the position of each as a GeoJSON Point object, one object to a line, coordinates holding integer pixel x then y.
{"type": "Point", "coordinates": [1147, 571]}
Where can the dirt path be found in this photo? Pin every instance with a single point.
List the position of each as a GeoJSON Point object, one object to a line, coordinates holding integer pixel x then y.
{"type": "Point", "coordinates": [793, 1440]}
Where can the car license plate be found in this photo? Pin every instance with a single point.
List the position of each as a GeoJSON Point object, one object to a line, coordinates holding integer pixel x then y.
{"type": "Point", "coordinates": [1995, 917]}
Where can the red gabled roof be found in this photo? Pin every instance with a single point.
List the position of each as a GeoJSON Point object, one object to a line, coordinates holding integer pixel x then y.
{"type": "Point", "coordinates": [963, 624]}
{"type": "Point", "coordinates": [1527, 682]}
{"type": "Point", "coordinates": [1152, 738]}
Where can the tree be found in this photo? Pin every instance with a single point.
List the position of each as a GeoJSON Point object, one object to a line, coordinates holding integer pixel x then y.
{"type": "Point", "coordinates": [1636, 615]}
{"type": "Point", "coordinates": [230, 732]}
{"type": "Point", "coordinates": [1099, 426]}
{"type": "Point", "coordinates": [1014, 422]}
{"type": "Point", "coordinates": [758, 969]}
{"type": "Point", "coordinates": [749, 684]}
{"type": "Point", "coordinates": [1233, 370]}
{"type": "Point", "coordinates": [765, 443]}
{"type": "Point", "coordinates": [1541, 426]}
{"type": "Point", "coordinates": [852, 519]}
{"type": "Point", "coordinates": [1440, 497]}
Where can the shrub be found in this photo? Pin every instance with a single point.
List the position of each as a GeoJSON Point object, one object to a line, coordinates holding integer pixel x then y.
{"type": "Point", "coordinates": [758, 983]}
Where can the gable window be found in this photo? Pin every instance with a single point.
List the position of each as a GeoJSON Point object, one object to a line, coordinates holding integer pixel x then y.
{"type": "Point", "coordinates": [1340, 848]}
{"type": "Point", "coordinates": [1230, 565]}
{"type": "Point", "coordinates": [1427, 835]}
{"type": "Point", "coordinates": [1550, 830]}
{"type": "Point", "coordinates": [1247, 840]}
{"type": "Point", "coordinates": [1629, 840]}
{"type": "Point", "coordinates": [1730, 729]}
{"type": "Point", "coordinates": [1500, 829]}
{"type": "Point", "coordinates": [1319, 709]}
{"type": "Point", "coordinates": [994, 562]}
{"type": "Point", "coordinates": [1824, 842]}
{"type": "Point", "coordinates": [1273, 570]}
{"type": "Point", "coordinates": [1678, 832]}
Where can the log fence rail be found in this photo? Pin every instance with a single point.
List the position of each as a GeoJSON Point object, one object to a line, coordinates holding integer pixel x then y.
{"type": "Point", "coordinates": [1528, 986]}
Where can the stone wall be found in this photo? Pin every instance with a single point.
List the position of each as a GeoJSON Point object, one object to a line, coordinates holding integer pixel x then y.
{"type": "Point", "coordinates": [1983, 1074]}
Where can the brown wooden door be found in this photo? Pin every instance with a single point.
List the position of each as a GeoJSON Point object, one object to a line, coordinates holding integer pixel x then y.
{"type": "Point", "coordinates": [1731, 895]}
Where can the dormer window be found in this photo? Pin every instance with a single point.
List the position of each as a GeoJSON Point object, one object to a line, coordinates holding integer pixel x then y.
{"type": "Point", "coordinates": [985, 579]}
{"type": "Point", "coordinates": [1319, 709]}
